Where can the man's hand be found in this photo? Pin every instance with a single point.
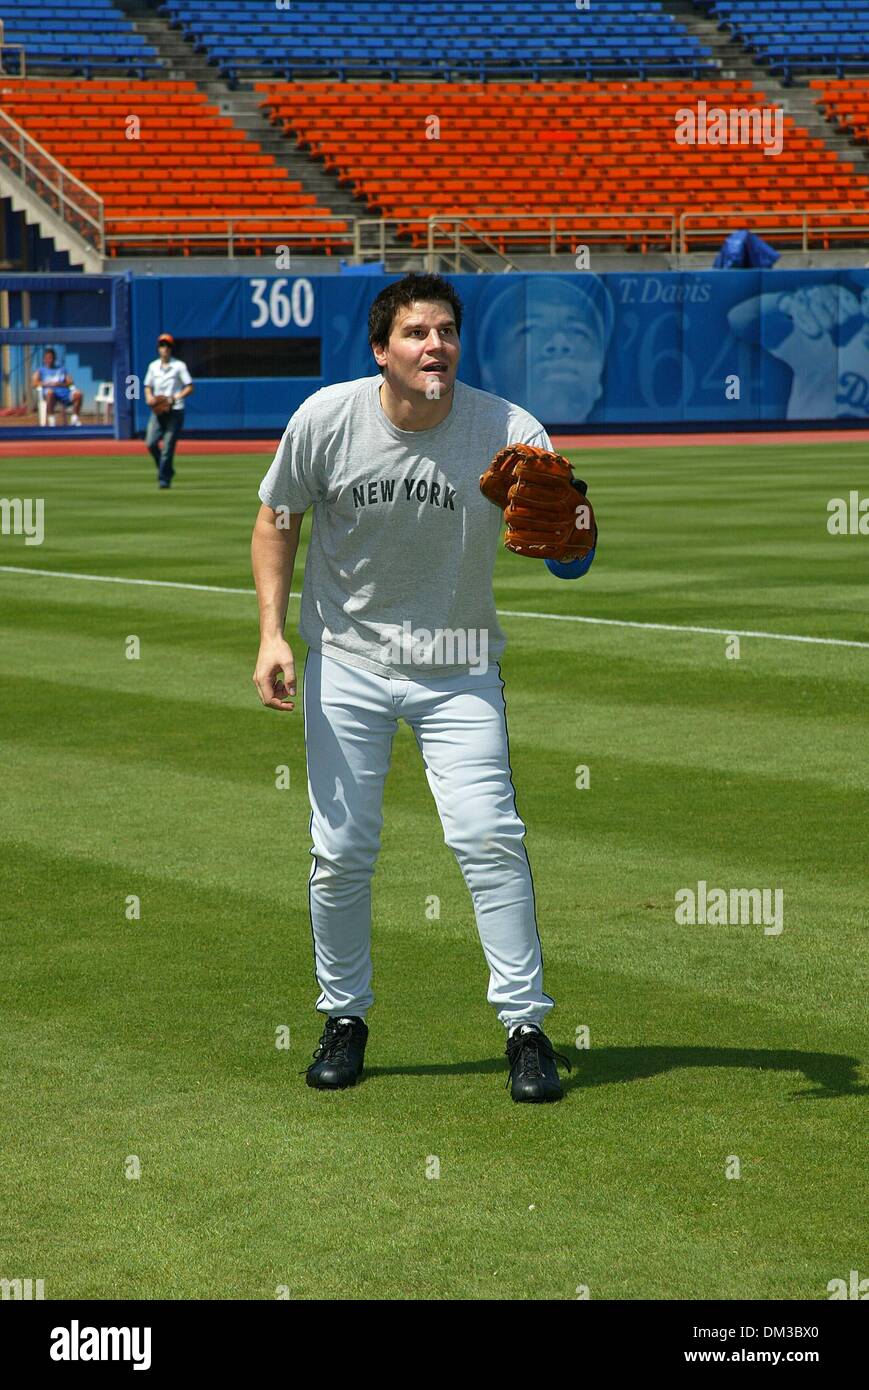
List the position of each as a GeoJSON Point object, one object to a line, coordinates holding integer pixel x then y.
{"type": "Point", "coordinates": [275, 656]}
{"type": "Point", "coordinates": [273, 553]}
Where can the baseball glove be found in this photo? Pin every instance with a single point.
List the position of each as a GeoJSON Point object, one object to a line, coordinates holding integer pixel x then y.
{"type": "Point", "coordinates": [160, 404]}
{"type": "Point", "coordinates": [547, 512]}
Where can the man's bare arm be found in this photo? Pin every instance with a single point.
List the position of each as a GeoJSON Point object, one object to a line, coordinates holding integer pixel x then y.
{"type": "Point", "coordinates": [273, 555]}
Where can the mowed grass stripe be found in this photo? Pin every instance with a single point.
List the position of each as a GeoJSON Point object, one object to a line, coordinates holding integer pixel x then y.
{"type": "Point", "coordinates": [721, 533]}
{"type": "Point", "coordinates": [156, 1037]}
{"type": "Point", "coordinates": [222, 1084]}
{"type": "Point", "coordinates": [502, 612]}
{"type": "Point", "coordinates": [145, 727]}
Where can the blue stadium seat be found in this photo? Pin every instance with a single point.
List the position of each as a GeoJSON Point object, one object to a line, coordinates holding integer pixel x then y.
{"type": "Point", "coordinates": [792, 36]}
{"type": "Point", "coordinates": [91, 36]}
{"type": "Point", "coordinates": [468, 39]}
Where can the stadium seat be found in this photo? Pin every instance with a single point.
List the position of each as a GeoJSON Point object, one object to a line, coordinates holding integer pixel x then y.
{"type": "Point", "coordinates": [218, 172]}
{"type": "Point", "coordinates": [92, 36]}
{"type": "Point", "coordinates": [344, 38]}
{"type": "Point", "coordinates": [791, 37]}
{"type": "Point", "coordinates": [608, 148]}
{"type": "Point", "coordinates": [846, 103]}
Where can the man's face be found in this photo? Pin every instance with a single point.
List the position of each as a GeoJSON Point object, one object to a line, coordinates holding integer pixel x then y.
{"type": "Point", "coordinates": [164, 350]}
{"type": "Point", "coordinates": [48, 359]}
{"type": "Point", "coordinates": [423, 350]}
{"type": "Point", "coordinates": [545, 350]}
{"type": "Point", "coordinates": [565, 357]}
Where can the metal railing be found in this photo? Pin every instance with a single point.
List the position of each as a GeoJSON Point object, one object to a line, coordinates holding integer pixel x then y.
{"type": "Point", "coordinates": [454, 246]}
{"type": "Point", "coordinates": [482, 238]}
{"type": "Point", "coordinates": [462, 232]}
{"type": "Point", "coordinates": [570, 230]}
{"type": "Point", "coordinates": [73, 201]}
{"type": "Point", "coordinates": [271, 229]}
{"type": "Point", "coordinates": [362, 226]}
{"type": "Point", "coordinates": [12, 47]}
{"type": "Point", "coordinates": [491, 231]}
{"type": "Point", "coordinates": [723, 219]}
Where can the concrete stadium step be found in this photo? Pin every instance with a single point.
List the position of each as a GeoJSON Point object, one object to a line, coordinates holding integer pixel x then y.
{"type": "Point", "coordinates": [730, 57]}
{"type": "Point", "coordinates": [241, 104]}
{"type": "Point", "coordinates": [177, 55]}
{"type": "Point", "coordinates": [799, 101]}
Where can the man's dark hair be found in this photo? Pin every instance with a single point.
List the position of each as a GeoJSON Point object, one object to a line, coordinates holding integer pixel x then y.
{"type": "Point", "coordinates": [46, 351]}
{"type": "Point", "coordinates": [400, 295]}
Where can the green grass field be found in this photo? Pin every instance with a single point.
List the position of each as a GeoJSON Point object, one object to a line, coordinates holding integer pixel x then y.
{"type": "Point", "coordinates": [154, 1039]}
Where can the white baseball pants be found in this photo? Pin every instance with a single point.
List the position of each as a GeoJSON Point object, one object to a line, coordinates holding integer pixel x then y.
{"type": "Point", "coordinates": [351, 716]}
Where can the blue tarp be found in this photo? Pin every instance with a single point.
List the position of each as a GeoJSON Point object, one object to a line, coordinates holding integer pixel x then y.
{"type": "Point", "coordinates": [744, 250]}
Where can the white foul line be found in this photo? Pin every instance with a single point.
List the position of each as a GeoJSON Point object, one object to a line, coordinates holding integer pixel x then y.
{"type": "Point", "coordinates": [675, 627]}
{"type": "Point", "coordinates": [115, 579]}
{"type": "Point", "coordinates": [502, 612]}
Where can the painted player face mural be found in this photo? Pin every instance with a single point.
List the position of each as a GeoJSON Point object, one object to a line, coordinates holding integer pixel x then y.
{"type": "Point", "coordinates": [423, 348]}
{"type": "Point", "coordinates": [542, 342]}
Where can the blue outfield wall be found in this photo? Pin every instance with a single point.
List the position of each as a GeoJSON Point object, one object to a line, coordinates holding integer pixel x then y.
{"type": "Point", "coordinates": [86, 319]}
{"type": "Point", "coordinates": [716, 348]}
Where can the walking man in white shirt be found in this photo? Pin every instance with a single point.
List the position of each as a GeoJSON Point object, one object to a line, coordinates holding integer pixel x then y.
{"type": "Point", "coordinates": [166, 377]}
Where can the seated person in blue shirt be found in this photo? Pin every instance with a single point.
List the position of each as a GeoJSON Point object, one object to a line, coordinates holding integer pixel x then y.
{"type": "Point", "coordinates": [59, 388]}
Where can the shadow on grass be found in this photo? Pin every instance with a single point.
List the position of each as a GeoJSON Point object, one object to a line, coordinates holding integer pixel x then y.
{"type": "Point", "coordinates": [831, 1075]}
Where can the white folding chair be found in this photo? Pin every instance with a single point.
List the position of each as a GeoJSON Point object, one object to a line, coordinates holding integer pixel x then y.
{"type": "Point", "coordinates": [104, 400]}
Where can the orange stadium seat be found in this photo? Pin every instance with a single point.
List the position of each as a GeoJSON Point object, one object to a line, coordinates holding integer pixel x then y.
{"type": "Point", "coordinates": [570, 147]}
{"type": "Point", "coordinates": [845, 102]}
{"type": "Point", "coordinates": [597, 152]}
{"type": "Point", "coordinates": [217, 169]}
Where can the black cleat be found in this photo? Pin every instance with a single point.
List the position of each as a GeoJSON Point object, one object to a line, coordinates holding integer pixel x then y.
{"type": "Point", "coordinates": [533, 1071]}
{"type": "Point", "coordinates": [340, 1055]}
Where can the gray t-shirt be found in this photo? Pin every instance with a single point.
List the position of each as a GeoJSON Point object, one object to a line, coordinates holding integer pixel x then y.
{"type": "Point", "coordinates": [398, 578]}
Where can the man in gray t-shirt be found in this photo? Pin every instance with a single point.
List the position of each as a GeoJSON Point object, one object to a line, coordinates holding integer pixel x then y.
{"type": "Point", "coordinates": [399, 618]}
{"type": "Point", "coordinates": [401, 529]}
